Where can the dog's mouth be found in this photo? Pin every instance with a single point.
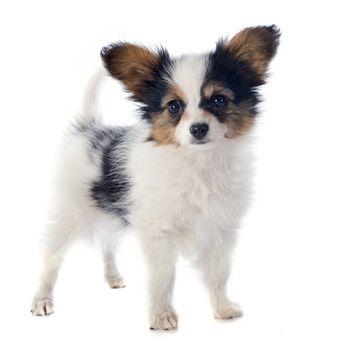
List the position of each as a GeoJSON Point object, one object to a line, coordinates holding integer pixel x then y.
{"type": "Point", "coordinates": [200, 142]}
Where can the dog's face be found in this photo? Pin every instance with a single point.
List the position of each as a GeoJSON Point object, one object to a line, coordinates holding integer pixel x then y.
{"type": "Point", "coordinates": [196, 99]}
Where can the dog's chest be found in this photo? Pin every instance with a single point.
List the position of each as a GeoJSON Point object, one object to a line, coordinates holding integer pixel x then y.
{"type": "Point", "coordinates": [171, 191]}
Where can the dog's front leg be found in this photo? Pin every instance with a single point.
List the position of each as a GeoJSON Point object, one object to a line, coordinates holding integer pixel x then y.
{"type": "Point", "coordinates": [216, 266]}
{"type": "Point", "coordinates": [161, 255]}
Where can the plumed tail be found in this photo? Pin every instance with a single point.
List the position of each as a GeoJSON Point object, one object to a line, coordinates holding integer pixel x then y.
{"type": "Point", "coordinates": [90, 114]}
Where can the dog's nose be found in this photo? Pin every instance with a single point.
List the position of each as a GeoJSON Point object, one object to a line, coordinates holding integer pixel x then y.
{"type": "Point", "coordinates": [199, 130]}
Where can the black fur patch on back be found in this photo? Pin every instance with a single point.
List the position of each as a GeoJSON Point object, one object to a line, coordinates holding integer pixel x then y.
{"type": "Point", "coordinates": [110, 191]}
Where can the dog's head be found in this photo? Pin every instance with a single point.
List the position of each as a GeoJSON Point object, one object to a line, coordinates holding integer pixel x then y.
{"type": "Point", "coordinates": [196, 99]}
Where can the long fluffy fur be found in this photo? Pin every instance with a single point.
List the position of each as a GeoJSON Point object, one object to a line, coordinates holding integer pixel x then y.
{"type": "Point", "coordinates": [181, 198]}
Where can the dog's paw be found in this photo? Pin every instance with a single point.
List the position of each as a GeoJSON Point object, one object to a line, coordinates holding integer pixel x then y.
{"type": "Point", "coordinates": [42, 307]}
{"type": "Point", "coordinates": [228, 311]}
{"type": "Point", "coordinates": [166, 320]}
{"type": "Point", "coordinates": [116, 281]}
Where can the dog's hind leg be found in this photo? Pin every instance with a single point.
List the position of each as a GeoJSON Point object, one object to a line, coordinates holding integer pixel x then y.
{"type": "Point", "coordinates": [109, 238]}
{"type": "Point", "coordinates": [59, 238]}
{"type": "Point", "coordinates": [112, 275]}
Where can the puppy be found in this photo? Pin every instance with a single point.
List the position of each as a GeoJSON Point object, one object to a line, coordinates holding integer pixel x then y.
{"type": "Point", "coordinates": [180, 177]}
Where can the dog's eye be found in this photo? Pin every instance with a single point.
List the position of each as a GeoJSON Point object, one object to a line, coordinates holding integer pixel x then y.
{"type": "Point", "coordinates": [174, 107]}
{"type": "Point", "coordinates": [219, 101]}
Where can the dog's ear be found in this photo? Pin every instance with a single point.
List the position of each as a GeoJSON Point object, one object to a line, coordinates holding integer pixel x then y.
{"type": "Point", "coordinates": [133, 65]}
{"type": "Point", "coordinates": [256, 46]}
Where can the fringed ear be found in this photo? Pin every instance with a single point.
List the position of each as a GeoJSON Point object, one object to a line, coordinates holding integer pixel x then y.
{"type": "Point", "coordinates": [133, 65]}
{"type": "Point", "coordinates": [255, 46]}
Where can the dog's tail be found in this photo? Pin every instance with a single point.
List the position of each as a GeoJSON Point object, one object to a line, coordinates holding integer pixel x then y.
{"type": "Point", "coordinates": [90, 114]}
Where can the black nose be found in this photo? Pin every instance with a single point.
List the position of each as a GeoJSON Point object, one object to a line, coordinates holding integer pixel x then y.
{"type": "Point", "coordinates": [199, 130]}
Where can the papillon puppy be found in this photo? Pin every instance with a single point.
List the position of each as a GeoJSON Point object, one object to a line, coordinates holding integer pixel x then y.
{"type": "Point", "coordinates": [180, 177]}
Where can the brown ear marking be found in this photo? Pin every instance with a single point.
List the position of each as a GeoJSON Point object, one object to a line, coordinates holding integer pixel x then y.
{"type": "Point", "coordinates": [256, 46]}
{"type": "Point", "coordinates": [131, 64]}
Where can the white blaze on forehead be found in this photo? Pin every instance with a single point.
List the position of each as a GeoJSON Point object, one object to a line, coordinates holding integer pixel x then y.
{"type": "Point", "coordinates": [188, 75]}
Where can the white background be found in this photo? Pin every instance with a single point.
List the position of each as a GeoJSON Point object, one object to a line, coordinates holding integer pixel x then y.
{"type": "Point", "coordinates": [291, 271]}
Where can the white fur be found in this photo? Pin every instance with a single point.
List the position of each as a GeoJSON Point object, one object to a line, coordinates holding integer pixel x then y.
{"type": "Point", "coordinates": [90, 112]}
{"type": "Point", "coordinates": [185, 201]}
{"type": "Point", "coordinates": [188, 75]}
